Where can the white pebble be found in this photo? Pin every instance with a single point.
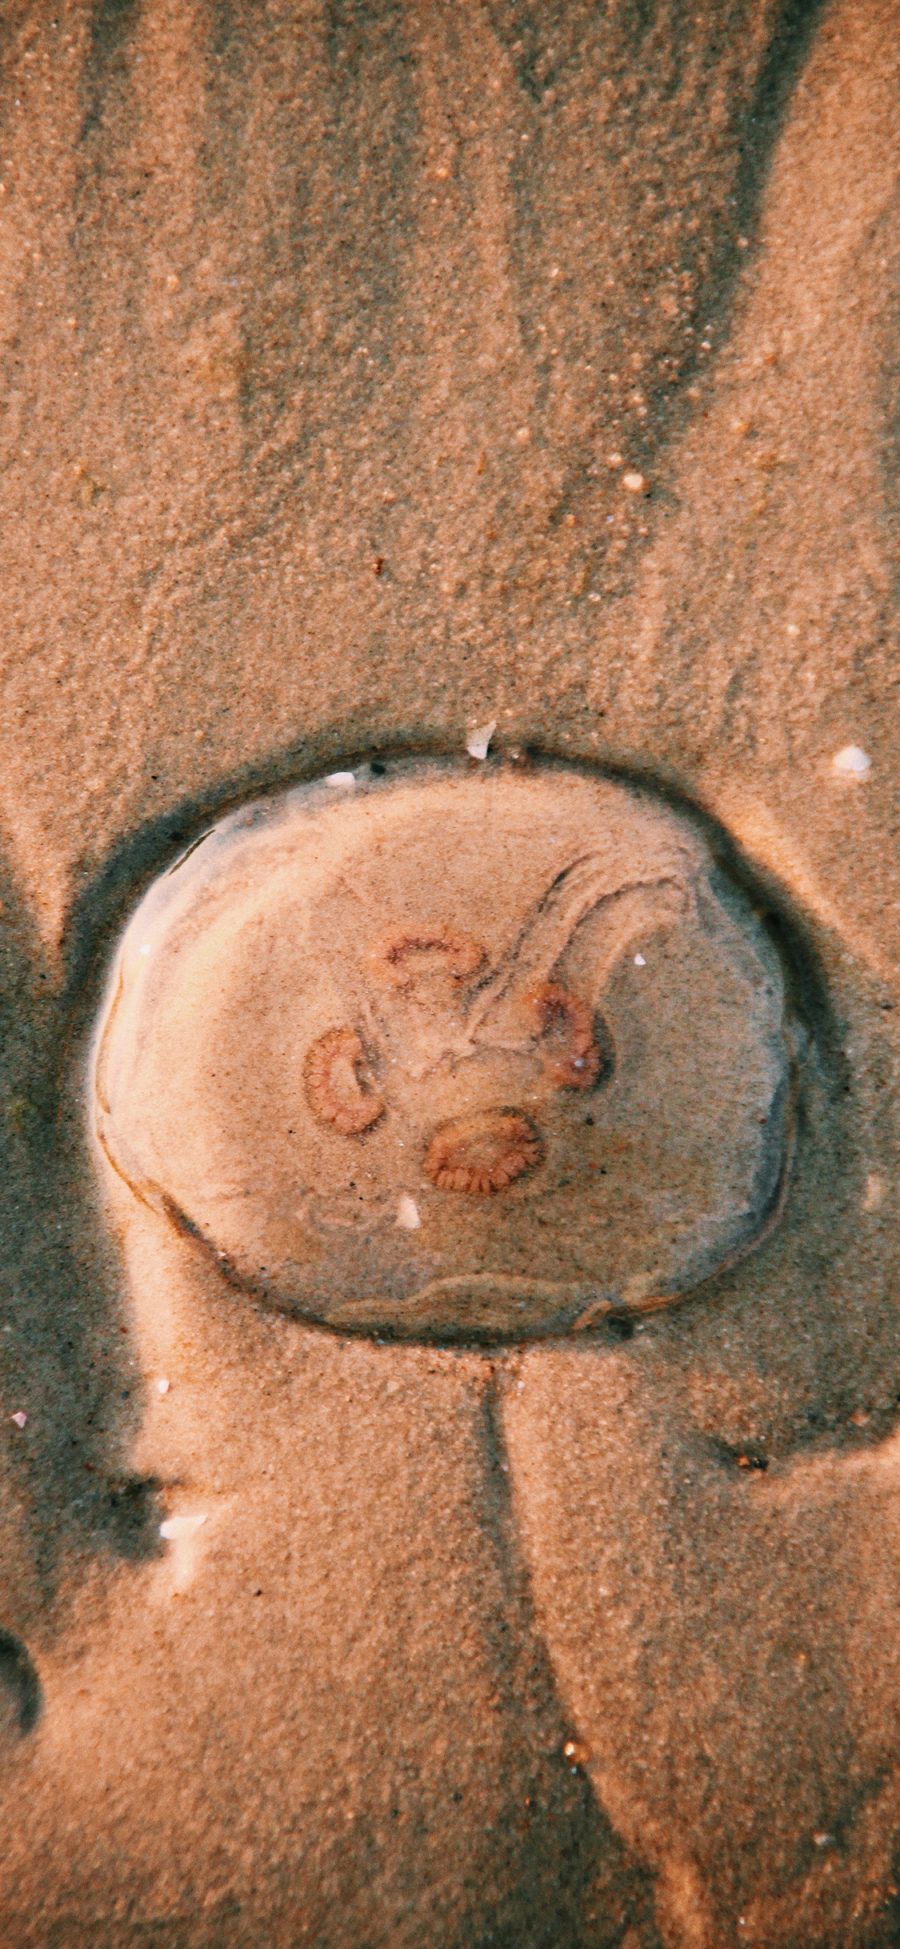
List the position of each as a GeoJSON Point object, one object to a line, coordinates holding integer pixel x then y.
{"type": "Point", "coordinates": [163, 1385]}
{"type": "Point", "coordinates": [639, 961]}
{"type": "Point", "coordinates": [341, 781]}
{"type": "Point", "coordinates": [408, 1213]}
{"type": "Point", "coordinates": [19, 1418]}
{"type": "Point", "coordinates": [851, 762]}
{"type": "Point", "coordinates": [175, 1527]}
{"type": "Point", "coordinates": [634, 482]}
{"type": "Point", "coordinates": [478, 741]}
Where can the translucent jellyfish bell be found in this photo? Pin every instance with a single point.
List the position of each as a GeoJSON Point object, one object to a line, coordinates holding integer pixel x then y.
{"type": "Point", "coordinates": [527, 1006]}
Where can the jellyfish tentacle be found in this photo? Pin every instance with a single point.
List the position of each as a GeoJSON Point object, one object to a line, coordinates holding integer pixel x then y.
{"type": "Point", "coordinates": [499, 1013]}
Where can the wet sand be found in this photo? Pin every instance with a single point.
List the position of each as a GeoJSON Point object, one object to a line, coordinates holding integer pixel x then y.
{"type": "Point", "coordinates": [372, 374]}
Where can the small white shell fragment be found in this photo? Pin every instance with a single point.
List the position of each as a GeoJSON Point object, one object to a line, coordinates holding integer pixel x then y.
{"type": "Point", "coordinates": [163, 1385]}
{"type": "Point", "coordinates": [341, 781]}
{"type": "Point", "coordinates": [176, 1527]}
{"type": "Point", "coordinates": [19, 1418]}
{"type": "Point", "coordinates": [408, 1213]}
{"type": "Point", "coordinates": [639, 961]}
{"type": "Point", "coordinates": [478, 740]}
{"type": "Point", "coordinates": [875, 1190]}
{"type": "Point", "coordinates": [851, 762]}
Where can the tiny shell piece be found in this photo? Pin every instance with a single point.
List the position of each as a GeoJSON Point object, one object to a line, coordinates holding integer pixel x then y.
{"type": "Point", "coordinates": [176, 1527]}
{"type": "Point", "coordinates": [479, 740]}
{"type": "Point", "coordinates": [851, 762]}
{"type": "Point", "coordinates": [408, 1213]}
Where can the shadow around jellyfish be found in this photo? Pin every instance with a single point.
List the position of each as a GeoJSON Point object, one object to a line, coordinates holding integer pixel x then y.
{"type": "Point", "coordinates": [63, 1343]}
{"type": "Point", "coordinates": [68, 1284]}
{"type": "Point", "coordinates": [68, 1336]}
{"type": "Point", "coordinates": [20, 1687]}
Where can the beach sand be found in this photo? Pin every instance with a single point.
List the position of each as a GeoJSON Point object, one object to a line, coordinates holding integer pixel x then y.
{"type": "Point", "coordinates": [373, 374]}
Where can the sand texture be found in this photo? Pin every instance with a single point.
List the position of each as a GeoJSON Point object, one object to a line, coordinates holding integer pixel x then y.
{"type": "Point", "coordinates": [448, 1285]}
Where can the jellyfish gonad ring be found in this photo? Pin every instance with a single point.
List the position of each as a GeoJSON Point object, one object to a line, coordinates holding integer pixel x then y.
{"type": "Point", "coordinates": [483, 1153]}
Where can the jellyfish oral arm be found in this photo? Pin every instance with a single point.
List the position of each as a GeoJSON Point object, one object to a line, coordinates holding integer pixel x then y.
{"type": "Point", "coordinates": [501, 1015]}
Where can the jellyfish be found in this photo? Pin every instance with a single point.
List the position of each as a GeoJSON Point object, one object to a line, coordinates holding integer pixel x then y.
{"type": "Point", "coordinates": [536, 1004]}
